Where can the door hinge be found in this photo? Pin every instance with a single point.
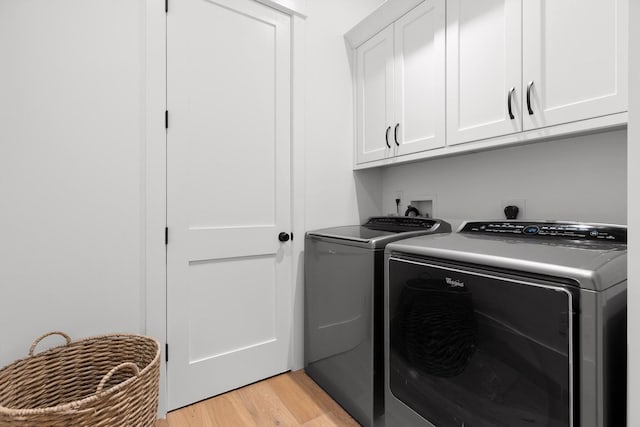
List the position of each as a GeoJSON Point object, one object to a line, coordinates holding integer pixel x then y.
{"type": "Point", "coordinates": [166, 235]}
{"type": "Point", "coordinates": [166, 119]}
{"type": "Point", "coordinates": [166, 6]}
{"type": "Point", "coordinates": [166, 352]}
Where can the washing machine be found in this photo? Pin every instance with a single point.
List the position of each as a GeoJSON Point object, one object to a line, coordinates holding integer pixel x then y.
{"type": "Point", "coordinates": [507, 324]}
{"type": "Point", "coordinates": [344, 294]}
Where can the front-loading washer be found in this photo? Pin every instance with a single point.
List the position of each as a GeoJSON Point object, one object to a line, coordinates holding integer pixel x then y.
{"type": "Point", "coordinates": [507, 324]}
{"type": "Point", "coordinates": [344, 293]}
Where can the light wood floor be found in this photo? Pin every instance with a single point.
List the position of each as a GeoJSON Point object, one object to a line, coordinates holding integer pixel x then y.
{"type": "Point", "coordinates": [290, 399]}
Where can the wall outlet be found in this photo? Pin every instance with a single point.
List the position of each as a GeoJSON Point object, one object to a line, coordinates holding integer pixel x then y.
{"type": "Point", "coordinates": [397, 195]}
{"type": "Point", "coordinates": [425, 207]}
{"type": "Point", "coordinates": [520, 203]}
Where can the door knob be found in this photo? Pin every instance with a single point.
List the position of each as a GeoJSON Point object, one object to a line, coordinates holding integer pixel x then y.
{"type": "Point", "coordinates": [283, 237]}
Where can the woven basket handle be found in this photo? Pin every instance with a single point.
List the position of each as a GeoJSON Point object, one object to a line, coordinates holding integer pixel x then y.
{"type": "Point", "coordinates": [37, 341]}
{"type": "Point", "coordinates": [107, 377]}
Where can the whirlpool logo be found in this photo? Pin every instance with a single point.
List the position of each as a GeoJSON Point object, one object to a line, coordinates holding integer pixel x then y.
{"type": "Point", "coordinates": [454, 283]}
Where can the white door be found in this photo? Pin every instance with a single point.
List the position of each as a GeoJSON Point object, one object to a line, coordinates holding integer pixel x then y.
{"type": "Point", "coordinates": [575, 54]}
{"type": "Point", "coordinates": [483, 69]}
{"type": "Point", "coordinates": [228, 196]}
{"type": "Point", "coordinates": [374, 97]}
{"type": "Point", "coordinates": [420, 79]}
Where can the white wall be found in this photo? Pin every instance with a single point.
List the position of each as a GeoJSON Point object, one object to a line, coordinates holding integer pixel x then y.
{"type": "Point", "coordinates": [633, 196]}
{"type": "Point", "coordinates": [581, 178]}
{"type": "Point", "coordinates": [335, 195]}
{"type": "Point", "coordinates": [72, 166]}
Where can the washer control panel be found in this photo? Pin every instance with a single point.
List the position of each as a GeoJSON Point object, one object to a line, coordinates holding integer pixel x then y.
{"type": "Point", "coordinates": [399, 223]}
{"type": "Point", "coordinates": [549, 229]}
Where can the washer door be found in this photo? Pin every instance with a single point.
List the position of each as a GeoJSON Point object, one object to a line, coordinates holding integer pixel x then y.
{"type": "Point", "coordinates": [474, 348]}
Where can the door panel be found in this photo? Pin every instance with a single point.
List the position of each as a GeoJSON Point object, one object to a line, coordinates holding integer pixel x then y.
{"type": "Point", "coordinates": [483, 64]}
{"type": "Point", "coordinates": [255, 299]}
{"type": "Point", "coordinates": [374, 96]}
{"type": "Point", "coordinates": [577, 74]}
{"type": "Point", "coordinates": [340, 341]}
{"type": "Point", "coordinates": [228, 183]}
{"type": "Point", "coordinates": [474, 347]}
{"type": "Point", "coordinates": [420, 78]}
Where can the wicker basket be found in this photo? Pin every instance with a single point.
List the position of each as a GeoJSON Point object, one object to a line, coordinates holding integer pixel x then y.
{"type": "Point", "coordinates": [109, 380]}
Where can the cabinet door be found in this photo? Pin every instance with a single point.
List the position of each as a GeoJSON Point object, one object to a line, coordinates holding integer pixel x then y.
{"type": "Point", "coordinates": [374, 97]}
{"type": "Point", "coordinates": [575, 53]}
{"type": "Point", "coordinates": [483, 68]}
{"type": "Point", "coordinates": [419, 54]}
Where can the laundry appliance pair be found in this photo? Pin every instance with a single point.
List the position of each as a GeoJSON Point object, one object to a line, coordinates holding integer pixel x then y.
{"type": "Point", "coordinates": [502, 323]}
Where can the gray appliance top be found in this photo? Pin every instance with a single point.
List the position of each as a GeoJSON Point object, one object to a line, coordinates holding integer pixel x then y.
{"type": "Point", "coordinates": [380, 230]}
{"type": "Point", "coordinates": [595, 255]}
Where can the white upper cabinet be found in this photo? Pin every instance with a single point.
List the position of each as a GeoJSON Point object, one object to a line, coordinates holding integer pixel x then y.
{"type": "Point", "coordinates": [483, 69]}
{"type": "Point", "coordinates": [400, 86]}
{"type": "Point", "coordinates": [374, 97]}
{"type": "Point", "coordinates": [419, 39]}
{"type": "Point", "coordinates": [510, 71]}
{"type": "Point", "coordinates": [574, 60]}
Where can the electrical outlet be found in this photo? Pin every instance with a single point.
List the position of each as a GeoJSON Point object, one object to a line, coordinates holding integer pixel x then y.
{"type": "Point", "coordinates": [397, 194]}
{"type": "Point", "coordinates": [425, 207]}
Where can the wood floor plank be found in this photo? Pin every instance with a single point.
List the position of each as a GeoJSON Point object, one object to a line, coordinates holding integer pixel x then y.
{"type": "Point", "coordinates": [323, 400]}
{"type": "Point", "coordinates": [228, 410]}
{"type": "Point", "coordinates": [290, 399]}
{"type": "Point", "coordinates": [330, 419]}
{"type": "Point", "coordinates": [197, 415]}
{"type": "Point", "coordinates": [192, 416]}
{"type": "Point", "coordinates": [301, 405]}
{"type": "Point", "coordinates": [269, 410]}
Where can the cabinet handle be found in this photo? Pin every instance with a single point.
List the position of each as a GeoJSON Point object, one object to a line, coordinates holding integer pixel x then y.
{"type": "Point", "coordinates": [395, 134]}
{"type": "Point", "coordinates": [529, 86]}
{"type": "Point", "coordinates": [511, 91]}
{"type": "Point", "coordinates": [386, 137]}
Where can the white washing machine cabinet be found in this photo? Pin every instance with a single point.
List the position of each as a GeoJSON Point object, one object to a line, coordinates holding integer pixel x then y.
{"type": "Point", "coordinates": [507, 324]}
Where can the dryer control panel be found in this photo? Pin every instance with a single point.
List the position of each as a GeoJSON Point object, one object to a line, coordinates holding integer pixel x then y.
{"type": "Point", "coordinates": [550, 230]}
